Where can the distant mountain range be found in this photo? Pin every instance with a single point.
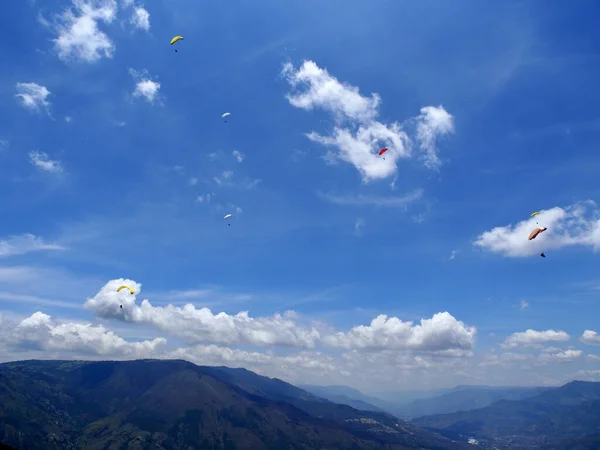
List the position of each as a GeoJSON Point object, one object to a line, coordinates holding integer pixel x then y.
{"type": "Point", "coordinates": [348, 396]}
{"type": "Point", "coordinates": [438, 401]}
{"type": "Point", "coordinates": [566, 418]}
{"type": "Point", "coordinates": [152, 404]}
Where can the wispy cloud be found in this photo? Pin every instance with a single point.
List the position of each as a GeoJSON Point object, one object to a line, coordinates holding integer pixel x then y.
{"type": "Point", "coordinates": [524, 304]}
{"type": "Point", "coordinates": [43, 162]}
{"type": "Point", "coordinates": [33, 96]}
{"type": "Point", "coordinates": [359, 226]}
{"type": "Point", "coordinates": [140, 18]}
{"type": "Point", "coordinates": [25, 243]}
{"type": "Point", "coordinates": [239, 156]}
{"type": "Point", "coordinates": [364, 200]}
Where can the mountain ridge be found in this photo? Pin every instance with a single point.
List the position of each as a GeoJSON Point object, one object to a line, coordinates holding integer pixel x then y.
{"type": "Point", "coordinates": [177, 404]}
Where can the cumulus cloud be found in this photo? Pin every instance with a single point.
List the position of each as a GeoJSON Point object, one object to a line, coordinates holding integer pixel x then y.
{"type": "Point", "coordinates": [533, 337]}
{"type": "Point", "coordinates": [200, 324]}
{"type": "Point", "coordinates": [25, 243]}
{"type": "Point", "coordinates": [140, 18]}
{"type": "Point", "coordinates": [357, 136]}
{"type": "Point", "coordinates": [578, 224]}
{"type": "Point", "coordinates": [41, 332]}
{"type": "Point", "coordinates": [43, 162]}
{"type": "Point", "coordinates": [590, 337]}
{"type": "Point", "coordinates": [554, 355]}
{"type": "Point", "coordinates": [441, 332]}
{"type": "Point", "coordinates": [79, 35]}
{"type": "Point", "coordinates": [144, 86]}
{"type": "Point", "coordinates": [239, 156]}
{"type": "Point", "coordinates": [33, 96]}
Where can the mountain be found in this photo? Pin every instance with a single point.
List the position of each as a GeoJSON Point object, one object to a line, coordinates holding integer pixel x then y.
{"type": "Point", "coordinates": [150, 404]}
{"type": "Point", "coordinates": [347, 396]}
{"type": "Point", "coordinates": [464, 398]}
{"type": "Point", "coordinates": [569, 414]}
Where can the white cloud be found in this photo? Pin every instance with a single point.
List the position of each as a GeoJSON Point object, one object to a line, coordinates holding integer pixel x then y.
{"type": "Point", "coordinates": [193, 181]}
{"type": "Point", "coordinates": [68, 119]}
{"type": "Point", "coordinates": [594, 357]}
{"type": "Point", "coordinates": [358, 227]}
{"type": "Point", "coordinates": [578, 224]}
{"type": "Point", "coordinates": [26, 243]}
{"type": "Point", "coordinates": [4, 143]}
{"type": "Point", "coordinates": [212, 156]}
{"type": "Point", "coordinates": [204, 198]}
{"type": "Point", "coordinates": [431, 124]}
{"type": "Point", "coordinates": [524, 304]}
{"type": "Point", "coordinates": [357, 136]}
{"type": "Point", "coordinates": [453, 254]}
{"type": "Point", "coordinates": [33, 96]}
{"type": "Point", "coordinates": [226, 180]}
{"type": "Point", "coordinates": [79, 36]}
{"type": "Point", "coordinates": [200, 325]}
{"type": "Point", "coordinates": [144, 86]}
{"type": "Point", "coordinates": [553, 355]}
{"type": "Point", "coordinates": [441, 332]}
{"type": "Point", "coordinates": [239, 156]}
{"type": "Point", "coordinates": [42, 161]}
{"type": "Point", "coordinates": [532, 337]}
{"type": "Point", "coordinates": [140, 18]}
{"type": "Point", "coordinates": [363, 200]}
{"type": "Point", "coordinates": [41, 332]}
{"type": "Point", "coordinates": [590, 337]}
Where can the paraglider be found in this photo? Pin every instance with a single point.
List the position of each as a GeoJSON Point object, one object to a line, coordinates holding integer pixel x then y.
{"type": "Point", "coordinates": [176, 39]}
{"type": "Point", "coordinates": [126, 287]}
{"type": "Point", "coordinates": [542, 255]}
{"type": "Point", "coordinates": [535, 214]}
{"type": "Point", "coordinates": [535, 232]}
{"type": "Point", "coordinates": [382, 151]}
{"type": "Point", "coordinates": [227, 216]}
{"type": "Point", "coordinates": [225, 115]}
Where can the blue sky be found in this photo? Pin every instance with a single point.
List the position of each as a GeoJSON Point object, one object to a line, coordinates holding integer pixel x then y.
{"type": "Point", "coordinates": [118, 168]}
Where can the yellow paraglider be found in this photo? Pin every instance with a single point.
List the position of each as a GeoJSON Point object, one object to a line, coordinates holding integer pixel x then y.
{"type": "Point", "coordinates": [535, 213]}
{"type": "Point", "coordinates": [126, 287]}
{"type": "Point", "coordinates": [176, 39]}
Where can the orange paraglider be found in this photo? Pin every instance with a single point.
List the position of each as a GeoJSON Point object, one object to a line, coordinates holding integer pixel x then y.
{"type": "Point", "coordinates": [535, 232]}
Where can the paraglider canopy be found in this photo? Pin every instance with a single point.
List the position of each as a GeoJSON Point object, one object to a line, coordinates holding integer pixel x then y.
{"type": "Point", "coordinates": [126, 287]}
{"type": "Point", "coordinates": [226, 114]}
{"type": "Point", "coordinates": [227, 216]}
{"type": "Point", "coordinates": [535, 232]}
{"type": "Point", "coordinates": [382, 151]}
{"type": "Point", "coordinates": [535, 213]}
{"type": "Point", "coordinates": [175, 39]}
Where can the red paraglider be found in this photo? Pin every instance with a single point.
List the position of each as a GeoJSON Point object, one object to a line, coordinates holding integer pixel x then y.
{"type": "Point", "coordinates": [382, 151]}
